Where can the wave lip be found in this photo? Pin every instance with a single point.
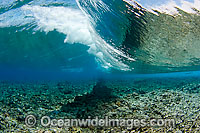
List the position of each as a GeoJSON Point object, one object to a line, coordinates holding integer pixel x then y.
{"type": "Point", "coordinates": [37, 18]}
{"type": "Point", "coordinates": [77, 30]}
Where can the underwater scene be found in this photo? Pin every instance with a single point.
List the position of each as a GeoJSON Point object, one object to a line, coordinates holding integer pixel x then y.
{"type": "Point", "coordinates": [100, 66]}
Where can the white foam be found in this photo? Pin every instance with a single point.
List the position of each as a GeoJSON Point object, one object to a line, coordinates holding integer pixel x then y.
{"type": "Point", "coordinates": [170, 6]}
{"type": "Point", "coordinates": [76, 26]}
{"type": "Point", "coordinates": [68, 21]}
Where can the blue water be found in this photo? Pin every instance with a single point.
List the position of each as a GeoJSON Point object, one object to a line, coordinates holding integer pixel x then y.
{"type": "Point", "coordinates": [59, 39]}
{"type": "Point", "coordinates": [116, 58]}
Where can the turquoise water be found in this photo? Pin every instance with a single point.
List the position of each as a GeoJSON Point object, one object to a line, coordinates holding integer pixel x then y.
{"type": "Point", "coordinates": [117, 58]}
{"type": "Point", "coordinates": [90, 38]}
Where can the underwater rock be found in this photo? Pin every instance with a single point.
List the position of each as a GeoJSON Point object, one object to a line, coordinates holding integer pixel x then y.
{"type": "Point", "coordinates": [88, 103]}
{"type": "Point", "coordinates": [101, 91]}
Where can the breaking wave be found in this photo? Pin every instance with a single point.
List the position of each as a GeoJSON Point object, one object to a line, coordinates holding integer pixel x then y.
{"type": "Point", "coordinates": [120, 35]}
